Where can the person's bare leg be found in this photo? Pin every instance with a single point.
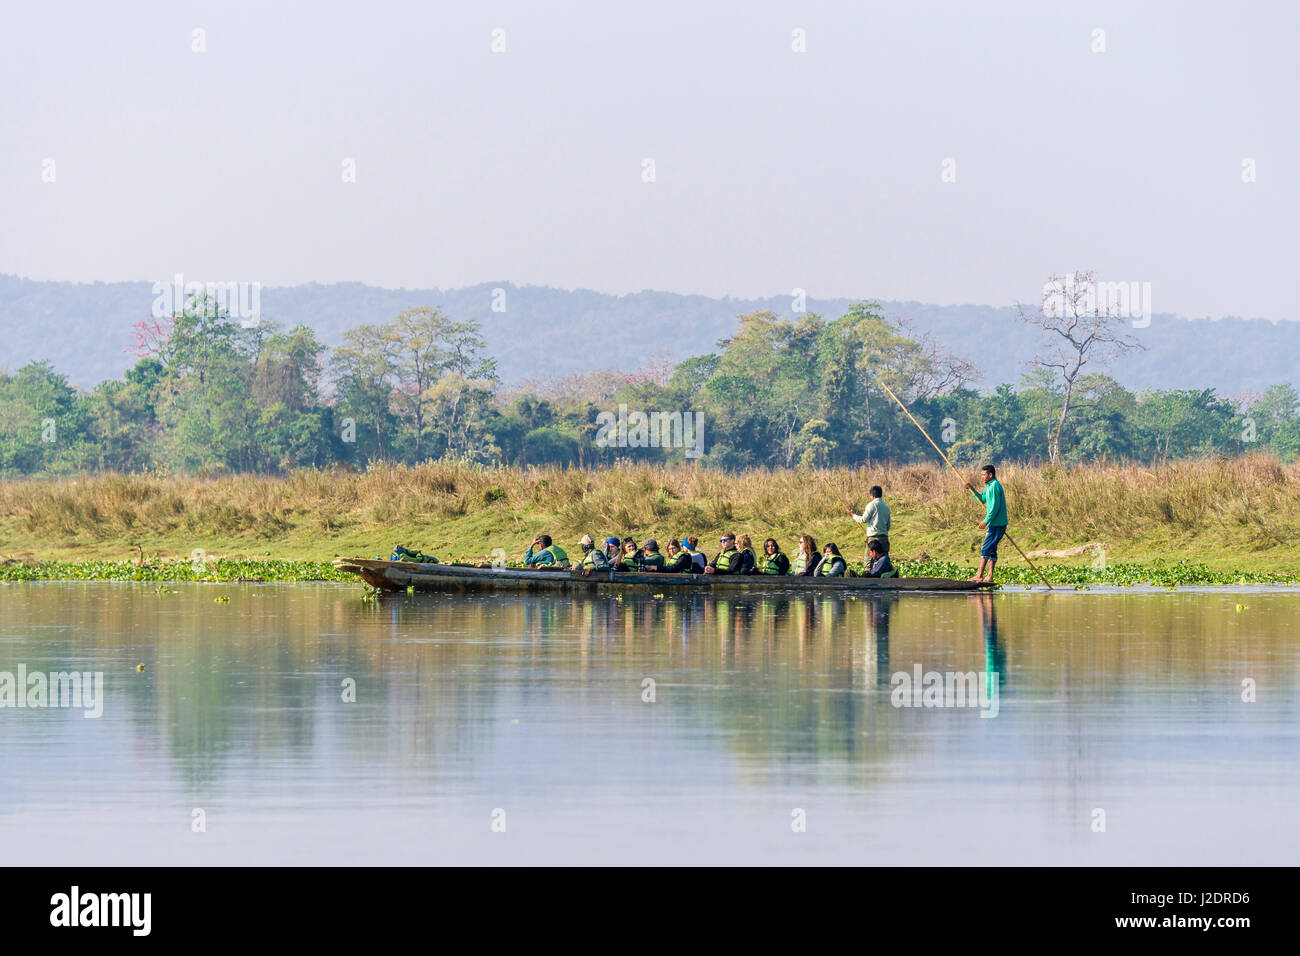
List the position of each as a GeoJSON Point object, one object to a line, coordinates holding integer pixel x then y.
{"type": "Point", "coordinates": [993, 562]}
{"type": "Point", "coordinates": [979, 575]}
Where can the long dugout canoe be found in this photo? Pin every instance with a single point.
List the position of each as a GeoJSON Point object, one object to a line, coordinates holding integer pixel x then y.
{"type": "Point", "coordinates": [400, 575]}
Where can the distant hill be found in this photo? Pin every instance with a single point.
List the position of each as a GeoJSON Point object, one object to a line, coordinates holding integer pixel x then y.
{"type": "Point", "coordinates": [85, 329]}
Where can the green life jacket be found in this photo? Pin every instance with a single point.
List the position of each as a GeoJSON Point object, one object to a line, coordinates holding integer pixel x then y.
{"type": "Point", "coordinates": [653, 560]}
{"type": "Point", "coordinates": [800, 564]}
{"type": "Point", "coordinates": [557, 553]}
{"type": "Point", "coordinates": [890, 574]}
{"type": "Point", "coordinates": [827, 565]}
{"type": "Point", "coordinates": [769, 565]}
{"type": "Point", "coordinates": [723, 561]}
{"type": "Point", "coordinates": [589, 559]}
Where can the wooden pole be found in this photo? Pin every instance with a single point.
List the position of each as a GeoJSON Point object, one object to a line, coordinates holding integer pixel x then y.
{"type": "Point", "coordinates": [958, 474]}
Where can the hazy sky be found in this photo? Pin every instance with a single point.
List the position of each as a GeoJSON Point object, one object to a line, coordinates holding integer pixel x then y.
{"type": "Point", "coordinates": [773, 169]}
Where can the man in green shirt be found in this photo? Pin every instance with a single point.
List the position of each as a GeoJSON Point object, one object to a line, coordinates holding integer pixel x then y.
{"type": "Point", "coordinates": [542, 552]}
{"type": "Point", "coordinates": [995, 519]}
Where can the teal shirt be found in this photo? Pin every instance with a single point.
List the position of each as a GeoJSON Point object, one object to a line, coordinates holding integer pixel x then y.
{"type": "Point", "coordinates": [995, 504]}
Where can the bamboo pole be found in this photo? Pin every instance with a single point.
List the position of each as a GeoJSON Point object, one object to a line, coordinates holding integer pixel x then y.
{"type": "Point", "coordinates": [958, 474]}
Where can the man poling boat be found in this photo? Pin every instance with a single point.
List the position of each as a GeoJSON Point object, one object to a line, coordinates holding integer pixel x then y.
{"type": "Point", "coordinates": [875, 518]}
{"type": "Point", "coordinates": [995, 505]}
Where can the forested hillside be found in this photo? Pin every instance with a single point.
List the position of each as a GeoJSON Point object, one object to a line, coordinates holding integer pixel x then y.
{"type": "Point", "coordinates": [545, 332]}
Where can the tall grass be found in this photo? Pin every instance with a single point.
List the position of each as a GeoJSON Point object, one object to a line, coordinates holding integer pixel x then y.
{"type": "Point", "coordinates": [1250, 503]}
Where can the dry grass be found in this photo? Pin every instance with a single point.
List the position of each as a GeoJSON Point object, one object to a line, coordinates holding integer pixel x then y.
{"type": "Point", "coordinates": [1204, 509]}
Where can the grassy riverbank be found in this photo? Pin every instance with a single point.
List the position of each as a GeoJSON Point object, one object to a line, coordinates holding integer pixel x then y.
{"type": "Point", "coordinates": [1193, 522]}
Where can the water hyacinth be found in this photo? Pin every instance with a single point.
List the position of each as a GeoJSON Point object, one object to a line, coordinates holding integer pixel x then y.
{"type": "Point", "coordinates": [224, 570]}
{"type": "Point", "coordinates": [1157, 573]}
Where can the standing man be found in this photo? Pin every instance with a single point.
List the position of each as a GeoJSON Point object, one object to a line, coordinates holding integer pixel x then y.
{"type": "Point", "coordinates": [875, 517]}
{"type": "Point", "coordinates": [995, 519]}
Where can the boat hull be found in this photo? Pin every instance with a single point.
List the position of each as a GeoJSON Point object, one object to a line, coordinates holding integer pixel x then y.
{"type": "Point", "coordinates": [400, 575]}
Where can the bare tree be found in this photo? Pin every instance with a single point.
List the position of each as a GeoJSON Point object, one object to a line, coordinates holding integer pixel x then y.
{"type": "Point", "coordinates": [1080, 328]}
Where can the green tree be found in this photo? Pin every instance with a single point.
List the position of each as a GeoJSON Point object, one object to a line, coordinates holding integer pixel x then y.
{"type": "Point", "coordinates": [1275, 417]}
{"type": "Point", "coordinates": [365, 375]}
{"type": "Point", "coordinates": [42, 422]}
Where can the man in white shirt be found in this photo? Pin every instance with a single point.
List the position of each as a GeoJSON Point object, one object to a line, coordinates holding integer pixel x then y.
{"type": "Point", "coordinates": [875, 517]}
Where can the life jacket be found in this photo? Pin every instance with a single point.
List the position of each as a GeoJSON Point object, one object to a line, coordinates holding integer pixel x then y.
{"type": "Point", "coordinates": [723, 561]}
{"type": "Point", "coordinates": [828, 565]}
{"type": "Point", "coordinates": [589, 559]}
{"type": "Point", "coordinates": [769, 565]}
{"type": "Point", "coordinates": [655, 561]}
{"type": "Point", "coordinates": [556, 552]}
{"type": "Point", "coordinates": [799, 564]}
{"type": "Point", "coordinates": [418, 557]}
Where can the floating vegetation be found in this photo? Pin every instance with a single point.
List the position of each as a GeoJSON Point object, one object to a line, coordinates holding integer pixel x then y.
{"type": "Point", "coordinates": [1158, 573]}
{"type": "Point", "coordinates": [223, 570]}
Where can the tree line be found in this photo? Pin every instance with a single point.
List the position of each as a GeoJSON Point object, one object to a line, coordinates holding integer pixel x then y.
{"type": "Point", "coordinates": [210, 395]}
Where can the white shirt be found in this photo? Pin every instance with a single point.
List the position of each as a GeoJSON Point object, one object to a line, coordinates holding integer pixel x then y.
{"type": "Point", "coordinates": [876, 518]}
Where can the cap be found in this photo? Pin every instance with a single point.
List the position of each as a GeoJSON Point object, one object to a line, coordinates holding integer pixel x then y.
{"type": "Point", "coordinates": [586, 541]}
{"type": "Point", "coordinates": [650, 545]}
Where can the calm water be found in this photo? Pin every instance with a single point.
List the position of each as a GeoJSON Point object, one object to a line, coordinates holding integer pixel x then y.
{"type": "Point", "coordinates": [1125, 702]}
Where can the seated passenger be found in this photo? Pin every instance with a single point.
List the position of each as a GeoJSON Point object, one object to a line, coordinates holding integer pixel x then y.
{"type": "Point", "coordinates": [593, 559]}
{"type": "Point", "coordinates": [542, 552]}
{"type": "Point", "coordinates": [748, 560]}
{"type": "Point", "coordinates": [677, 560]}
{"type": "Point", "coordinates": [728, 560]}
{"type": "Point", "coordinates": [832, 564]}
{"type": "Point", "coordinates": [649, 558]}
{"type": "Point", "coordinates": [806, 557]}
{"type": "Point", "coordinates": [627, 558]}
{"type": "Point", "coordinates": [773, 561]}
{"type": "Point", "coordinates": [613, 548]}
{"type": "Point", "coordinates": [881, 566]}
{"type": "Point", "coordinates": [699, 560]}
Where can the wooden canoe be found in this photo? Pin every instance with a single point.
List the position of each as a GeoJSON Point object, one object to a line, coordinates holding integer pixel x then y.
{"type": "Point", "coordinates": [399, 575]}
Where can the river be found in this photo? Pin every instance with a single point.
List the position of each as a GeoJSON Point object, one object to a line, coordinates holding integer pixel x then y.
{"type": "Point", "coordinates": [299, 723]}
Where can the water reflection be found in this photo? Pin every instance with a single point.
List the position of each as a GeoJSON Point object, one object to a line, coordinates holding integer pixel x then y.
{"type": "Point", "coordinates": [995, 659]}
{"type": "Point", "coordinates": [757, 697]}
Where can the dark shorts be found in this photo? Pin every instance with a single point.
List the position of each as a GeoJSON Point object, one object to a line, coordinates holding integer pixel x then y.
{"type": "Point", "coordinates": [991, 538]}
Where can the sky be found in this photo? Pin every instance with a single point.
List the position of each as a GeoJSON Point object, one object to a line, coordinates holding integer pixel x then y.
{"type": "Point", "coordinates": [940, 152]}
